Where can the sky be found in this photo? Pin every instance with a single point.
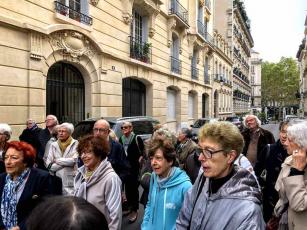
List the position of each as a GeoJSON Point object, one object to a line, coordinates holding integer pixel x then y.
{"type": "Point", "coordinates": [277, 27]}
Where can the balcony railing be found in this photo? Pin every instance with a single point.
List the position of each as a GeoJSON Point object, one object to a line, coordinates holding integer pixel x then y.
{"type": "Point", "coordinates": [194, 72]}
{"type": "Point", "coordinates": [72, 13]}
{"type": "Point", "coordinates": [140, 50]}
{"type": "Point", "coordinates": [179, 10]}
{"type": "Point", "coordinates": [175, 65]}
{"type": "Point", "coordinates": [207, 78]}
{"type": "Point", "coordinates": [209, 39]}
{"type": "Point", "coordinates": [201, 28]}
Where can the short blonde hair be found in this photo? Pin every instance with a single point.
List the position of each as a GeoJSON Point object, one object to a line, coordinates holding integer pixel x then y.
{"type": "Point", "coordinates": [226, 134]}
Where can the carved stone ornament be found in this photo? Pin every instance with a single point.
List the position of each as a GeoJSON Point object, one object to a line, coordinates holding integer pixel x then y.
{"type": "Point", "coordinates": [94, 2]}
{"type": "Point", "coordinates": [127, 17]}
{"type": "Point", "coordinates": [72, 43]}
{"type": "Point", "coordinates": [36, 46]}
{"type": "Point", "coordinates": [201, 3]}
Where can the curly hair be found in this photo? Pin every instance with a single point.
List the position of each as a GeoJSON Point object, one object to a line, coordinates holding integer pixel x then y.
{"type": "Point", "coordinates": [29, 153]}
{"type": "Point", "coordinates": [100, 146]}
{"type": "Point", "coordinates": [166, 146]}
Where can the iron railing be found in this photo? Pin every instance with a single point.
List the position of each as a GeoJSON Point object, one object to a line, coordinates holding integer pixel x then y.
{"type": "Point", "coordinates": [201, 28]}
{"type": "Point", "coordinates": [209, 39]}
{"type": "Point", "coordinates": [175, 65]}
{"type": "Point", "coordinates": [72, 13]}
{"type": "Point", "coordinates": [179, 10]}
{"type": "Point", "coordinates": [194, 72]}
{"type": "Point", "coordinates": [140, 50]}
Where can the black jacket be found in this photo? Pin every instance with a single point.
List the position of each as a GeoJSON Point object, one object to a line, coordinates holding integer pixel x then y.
{"type": "Point", "coordinates": [276, 156]}
{"type": "Point", "coordinates": [266, 137]}
{"type": "Point", "coordinates": [31, 137]}
{"type": "Point", "coordinates": [37, 186]}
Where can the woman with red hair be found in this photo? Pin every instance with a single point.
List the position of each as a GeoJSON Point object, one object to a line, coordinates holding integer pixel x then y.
{"type": "Point", "coordinates": [21, 187]}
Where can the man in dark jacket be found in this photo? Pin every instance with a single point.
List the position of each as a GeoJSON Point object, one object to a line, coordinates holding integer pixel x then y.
{"type": "Point", "coordinates": [134, 148]}
{"type": "Point", "coordinates": [30, 134]}
{"type": "Point", "coordinates": [255, 139]}
{"type": "Point", "coordinates": [117, 156]}
{"type": "Point", "coordinates": [275, 156]}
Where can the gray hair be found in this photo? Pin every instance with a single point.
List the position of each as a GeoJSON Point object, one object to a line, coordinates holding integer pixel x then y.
{"type": "Point", "coordinates": [253, 116]}
{"type": "Point", "coordinates": [68, 126]}
{"type": "Point", "coordinates": [297, 132]}
{"type": "Point", "coordinates": [6, 130]}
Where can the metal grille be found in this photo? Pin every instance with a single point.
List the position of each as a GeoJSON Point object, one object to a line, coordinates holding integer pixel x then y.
{"type": "Point", "coordinates": [134, 98]}
{"type": "Point", "coordinates": [65, 93]}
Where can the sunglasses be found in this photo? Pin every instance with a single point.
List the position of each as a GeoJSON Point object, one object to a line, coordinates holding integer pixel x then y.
{"type": "Point", "coordinates": [125, 127]}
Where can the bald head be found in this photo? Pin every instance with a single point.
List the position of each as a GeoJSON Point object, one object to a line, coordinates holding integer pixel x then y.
{"type": "Point", "coordinates": [101, 128]}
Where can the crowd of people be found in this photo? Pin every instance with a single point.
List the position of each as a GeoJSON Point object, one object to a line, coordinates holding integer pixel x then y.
{"type": "Point", "coordinates": [227, 179]}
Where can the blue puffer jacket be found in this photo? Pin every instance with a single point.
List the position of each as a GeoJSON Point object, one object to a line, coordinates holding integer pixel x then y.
{"type": "Point", "coordinates": [235, 206]}
{"type": "Point", "coordinates": [165, 200]}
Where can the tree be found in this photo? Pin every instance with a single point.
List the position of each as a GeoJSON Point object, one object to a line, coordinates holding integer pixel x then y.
{"type": "Point", "coordinates": [279, 83]}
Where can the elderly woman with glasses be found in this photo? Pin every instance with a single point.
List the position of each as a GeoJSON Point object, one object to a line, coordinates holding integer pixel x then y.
{"type": "Point", "coordinates": [21, 187]}
{"type": "Point", "coordinates": [97, 182]}
{"type": "Point", "coordinates": [62, 157]}
{"type": "Point", "coordinates": [291, 207]}
{"type": "Point", "coordinates": [224, 196]}
{"type": "Point", "coordinates": [5, 135]}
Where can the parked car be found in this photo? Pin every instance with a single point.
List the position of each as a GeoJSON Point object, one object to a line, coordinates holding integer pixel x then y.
{"type": "Point", "coordinates": [199, 123]}
{"type": "Point", "coordinates": [290, 117]}
{"type": "Point", "coordinates": [142, 126]}
{"type": "Point", "coordinates": [236, 121]}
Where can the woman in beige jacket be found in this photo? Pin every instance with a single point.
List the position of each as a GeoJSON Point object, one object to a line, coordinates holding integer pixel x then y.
{"type": "Point", "coordinates": [292, 180]}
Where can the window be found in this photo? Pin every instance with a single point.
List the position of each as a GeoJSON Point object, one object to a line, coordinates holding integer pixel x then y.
{"type": "Point", "coordinates": [206, 71]}
{"type": "Point", "coordinates": [175, 62]}
{"type": "Point", "coordinates": [139, 27]}
{"type": "Point", "coordinates": [191, 105]}
{"type": "Point", "coordinates": [171, 104]}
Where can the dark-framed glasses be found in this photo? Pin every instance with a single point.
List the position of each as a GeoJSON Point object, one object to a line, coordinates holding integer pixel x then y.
{"type": "Point", "coordinates": [100, 130]}
{"type": "Point", "coordinates": [207, 153]}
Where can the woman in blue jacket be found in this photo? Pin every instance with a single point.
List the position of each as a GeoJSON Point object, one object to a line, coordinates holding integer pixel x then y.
{"type": "Point", "coordinates": [168, 185]}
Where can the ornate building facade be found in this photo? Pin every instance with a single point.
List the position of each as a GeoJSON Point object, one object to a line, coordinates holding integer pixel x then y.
{"type": "Point", "coordinates": [89, 58]}
{"type": "Point", "coordinates": [256, 82]}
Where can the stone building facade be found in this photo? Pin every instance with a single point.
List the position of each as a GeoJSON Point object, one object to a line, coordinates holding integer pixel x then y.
{"type": "Point", "coordinates": [255, 82]}
{"type": "Point", "coordinates": [302, 63]}
{"type": "Point", "coordinates": [89, 58]}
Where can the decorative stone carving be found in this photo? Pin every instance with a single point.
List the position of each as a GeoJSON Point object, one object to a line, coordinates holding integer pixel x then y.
{"type": "Point", "coordinates": [36, 46]}
{"type": "Point", "coordinates": [73, 44]}
{"type": "Point", "coordinates": [201, 3]}
{"type": "Point", "coordinates": [127, 17]}
{"type": "Point", "coordinates": [94, 2]}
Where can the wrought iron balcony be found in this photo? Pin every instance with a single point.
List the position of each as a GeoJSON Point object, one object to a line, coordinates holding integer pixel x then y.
{"type": "Point", "coordinates": [201, 28]}
{"type": "Point", "coordinates": [207, 78]}
{"type": "Point", "coordinates": [72, 13]}
{"type": "Point", "coordinates": [194, 72]}
{"type": "Point", "coordinates": [179, 10]}
{"type": "Point", "coordinates": [140, 50]}
{"type": "Point", "coordinates": [175, 65]}
{"type": "Point", "coordinates": [209, 39]}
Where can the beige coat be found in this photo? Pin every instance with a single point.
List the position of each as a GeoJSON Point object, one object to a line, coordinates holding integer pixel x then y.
{"type": "Point", "coordinates": [292, 190]}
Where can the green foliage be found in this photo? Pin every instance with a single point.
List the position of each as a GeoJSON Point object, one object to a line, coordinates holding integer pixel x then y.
{"type": "Point", "coordinates": [279, 82]}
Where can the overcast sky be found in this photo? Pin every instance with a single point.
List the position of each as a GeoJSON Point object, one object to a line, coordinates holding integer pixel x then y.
{"type": "Point", "coordinates": [277, 26]}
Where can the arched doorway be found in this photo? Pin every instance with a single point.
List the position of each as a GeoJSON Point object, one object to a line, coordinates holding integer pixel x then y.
{"type": "Point", "coordinates": [65, 93]}
{"type": "Point", "coordinates": [134, 97]}
{"type": "Point", "coordinates": [205, 105]}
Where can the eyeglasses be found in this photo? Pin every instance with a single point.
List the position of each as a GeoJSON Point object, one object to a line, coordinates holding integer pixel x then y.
{"type": "Point", "coordinates": [207, 153]}
{"type": "Point", "coordinates": [125, 127]}
{"type": "Point", "coordinates": [100, 130]}
{"type": "Point", "coordinates": [86, 153]}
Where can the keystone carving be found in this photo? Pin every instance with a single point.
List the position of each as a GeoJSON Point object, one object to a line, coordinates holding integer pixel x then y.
{"type": "Point", "coordinates": [94, 2]}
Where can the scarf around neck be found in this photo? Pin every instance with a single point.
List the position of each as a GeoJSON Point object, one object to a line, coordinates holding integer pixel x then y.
{"type": "Point", "coordinates": [9, 198]}
{"type": "Point", "coordinates": [64, 144]}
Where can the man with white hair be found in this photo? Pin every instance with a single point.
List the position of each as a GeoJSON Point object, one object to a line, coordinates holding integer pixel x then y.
{"type": "Point", "coordinates": [255, 139]}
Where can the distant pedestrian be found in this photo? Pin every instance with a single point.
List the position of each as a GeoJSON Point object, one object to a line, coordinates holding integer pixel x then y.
{"type": "Point", "coordinates": [30, 134]}
{"type": "Point", "coordinates": [5, 135]}
{"type": "Point", "coordinates": [44, 136]}
{"type": "Point", "coordinates": [168, 186]}
{"type": "Point", "coordinates": [185, 146]}
{"type": "Point", "coordinates": [134, 149]}
{"type": "Point", "coordinates": [224, 196]}
{"type": "Point", "coordinates": [97, 181]}
{"type": "Point", "coordinates": [69, 213]}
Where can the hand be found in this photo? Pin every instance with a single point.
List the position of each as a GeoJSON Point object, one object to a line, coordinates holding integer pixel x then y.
{"type": "Point", "coordinates": [299, 159]}
{"type": "Point", "coordinates": [15, 228]}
